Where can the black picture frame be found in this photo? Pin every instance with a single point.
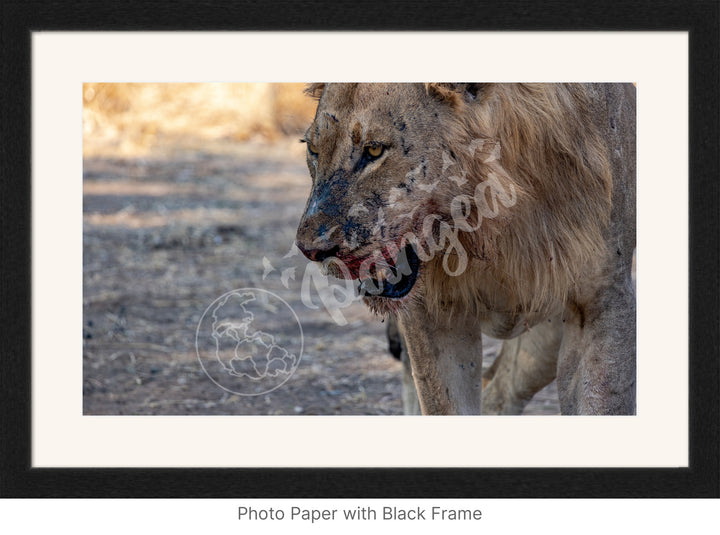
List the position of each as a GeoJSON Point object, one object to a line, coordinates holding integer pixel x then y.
{"type": "Point", "coordinates": [21, 18]}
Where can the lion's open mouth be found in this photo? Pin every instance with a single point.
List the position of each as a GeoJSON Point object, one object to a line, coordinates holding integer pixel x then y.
{"type": "Point", "coordinates": [399, 279]}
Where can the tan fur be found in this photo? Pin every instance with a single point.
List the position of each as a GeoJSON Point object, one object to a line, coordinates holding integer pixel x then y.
{"type": "Point", "coordinates": [531, 167]}
{"type": "Point", "coordinates": [553, 237]}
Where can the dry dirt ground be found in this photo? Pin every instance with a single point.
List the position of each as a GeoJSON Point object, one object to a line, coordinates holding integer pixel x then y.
{"type": "Point", "coordinates": [166, 235]}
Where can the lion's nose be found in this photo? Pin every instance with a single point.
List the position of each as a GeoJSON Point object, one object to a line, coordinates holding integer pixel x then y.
{"type": "Point", "coordinates": [318, 255]}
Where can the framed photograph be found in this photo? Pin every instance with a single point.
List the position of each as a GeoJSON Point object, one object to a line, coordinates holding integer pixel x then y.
{"type": "Point", "coordinates": [164, 330]}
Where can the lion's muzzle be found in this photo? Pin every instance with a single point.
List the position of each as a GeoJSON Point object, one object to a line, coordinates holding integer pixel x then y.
{"type": "Point", "coordinates": [379, 274]}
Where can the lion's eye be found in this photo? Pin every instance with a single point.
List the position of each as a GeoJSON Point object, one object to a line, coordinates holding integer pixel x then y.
{"type": "Point", "coordinates": [312, 149]}
{"type": "Point", "coordinates": [375, 151]}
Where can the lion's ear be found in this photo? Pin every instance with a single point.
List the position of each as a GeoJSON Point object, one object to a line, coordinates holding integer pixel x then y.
{"type": "Point", "coordinates": [315, 90]}
{"type": "Point", "coordinates": [444, 91]}
{"type": "Point", "coordinates": [455, 93]}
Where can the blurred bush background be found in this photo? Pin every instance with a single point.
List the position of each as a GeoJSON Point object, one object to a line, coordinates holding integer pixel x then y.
{"type": "Point", "coordinates": [137, 118]}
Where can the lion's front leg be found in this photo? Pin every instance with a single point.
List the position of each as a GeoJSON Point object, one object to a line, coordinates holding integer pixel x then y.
{"type": "Point", "coordinates": [596, 367]}
{"type": "Point", "coordinates": [525, 365]}
{"type": "Point", "coordinates": [398, 348]}
{"type": "Point", "coordinates": [446, 363]}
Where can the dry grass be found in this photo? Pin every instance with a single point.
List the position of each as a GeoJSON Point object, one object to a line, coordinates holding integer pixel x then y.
{"type": "Point", "coordinates": [138, 118]}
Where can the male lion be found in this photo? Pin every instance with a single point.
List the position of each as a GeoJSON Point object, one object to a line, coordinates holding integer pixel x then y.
{"type": "Point", "coordinates": [507, 209]}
